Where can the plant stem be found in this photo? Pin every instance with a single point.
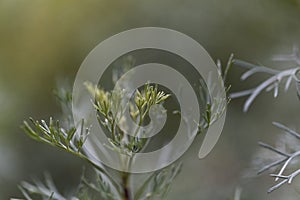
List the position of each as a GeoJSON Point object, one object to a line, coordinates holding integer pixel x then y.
{"type": "Point", "coordinates": [125, 186]}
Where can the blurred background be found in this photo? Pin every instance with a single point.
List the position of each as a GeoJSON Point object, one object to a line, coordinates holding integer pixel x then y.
{"type": "Point", "coordinates": [42, 42]}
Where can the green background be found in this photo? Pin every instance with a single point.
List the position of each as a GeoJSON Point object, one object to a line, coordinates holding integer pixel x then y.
{"type": "Point", "coordinates": [42, 42]}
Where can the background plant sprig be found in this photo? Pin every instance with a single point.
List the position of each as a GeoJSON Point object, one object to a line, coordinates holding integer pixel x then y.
{"type": "Point", "coordinates": [276, 77]}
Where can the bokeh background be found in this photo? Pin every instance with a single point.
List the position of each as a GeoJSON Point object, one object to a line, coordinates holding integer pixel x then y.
{"type": "Point", "coordinates": [42, 42]}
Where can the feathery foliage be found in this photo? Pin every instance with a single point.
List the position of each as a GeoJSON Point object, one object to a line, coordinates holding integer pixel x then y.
{"type": "Point", "coordinates": [283, 159]}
